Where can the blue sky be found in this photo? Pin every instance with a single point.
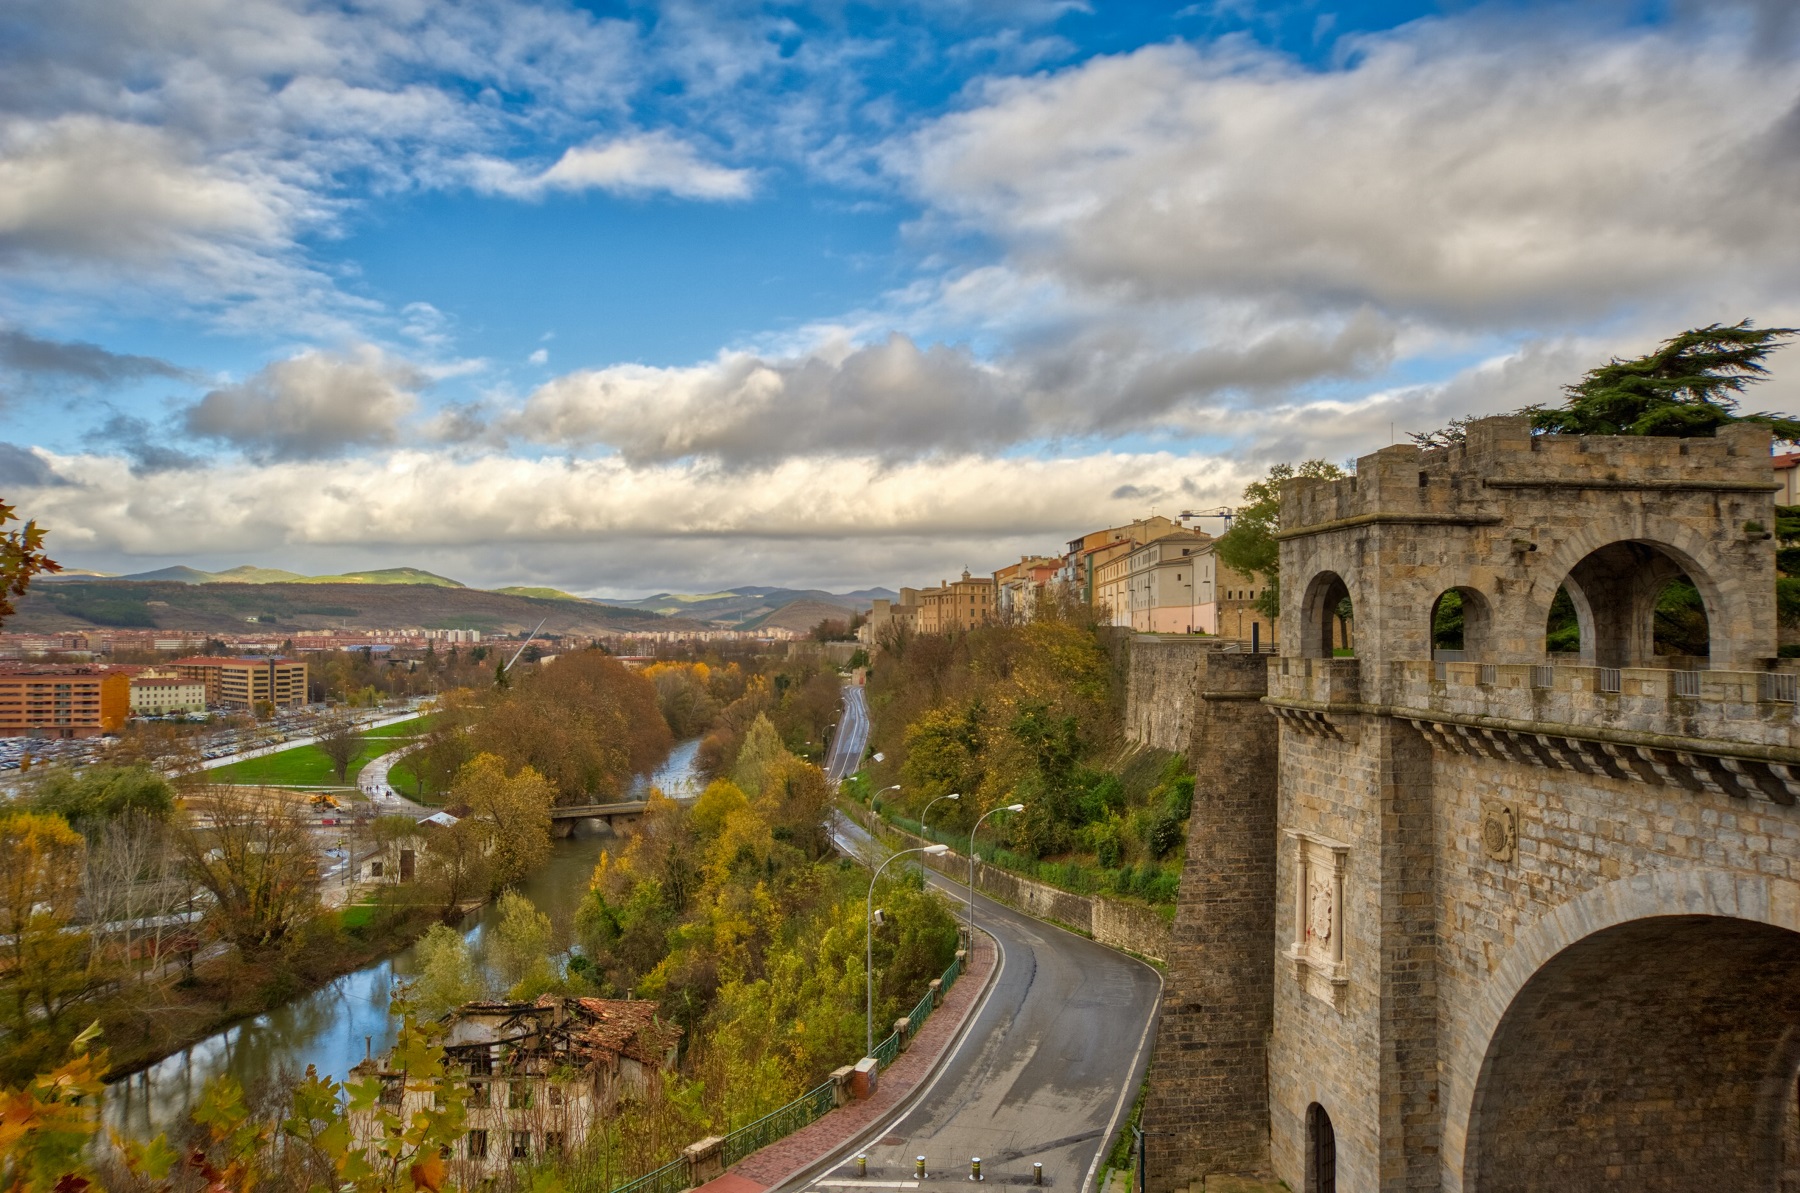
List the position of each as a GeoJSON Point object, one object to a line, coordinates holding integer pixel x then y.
{"type": "Point", "coordinates": [626, 297]}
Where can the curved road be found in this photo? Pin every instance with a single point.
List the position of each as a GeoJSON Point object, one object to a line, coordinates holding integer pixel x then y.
{"type": "Point", "coordinates": [1045, 1073]}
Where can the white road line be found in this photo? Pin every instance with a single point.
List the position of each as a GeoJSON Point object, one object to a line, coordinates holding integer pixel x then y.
{"type": "Point", "coordinates": [1126, 1091]}
{"type": "Point", "coordinates": [856, 1184]}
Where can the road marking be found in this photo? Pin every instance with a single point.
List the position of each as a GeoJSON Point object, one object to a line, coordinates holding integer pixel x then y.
{"type": "Point", "coordinates": [866, 1184]}
{"type": "Point", "coordinates": [1125, 1092]}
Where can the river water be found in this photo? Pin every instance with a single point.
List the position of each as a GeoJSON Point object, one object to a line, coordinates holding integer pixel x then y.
{"type": "Point", "coordinates": [335, 1026]}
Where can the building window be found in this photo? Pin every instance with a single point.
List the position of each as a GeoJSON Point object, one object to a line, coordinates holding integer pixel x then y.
{"type": "Point", "coordinates": [518, 1096]}
{"type": "Point", "coordinates": [476, 1145]}
{"type": "Point", "coordinates": [478, 1094]}
{"type": "Point", "coordinates": [553, 1142]}
{"type": "Point", "coordinates": [521, 1149]}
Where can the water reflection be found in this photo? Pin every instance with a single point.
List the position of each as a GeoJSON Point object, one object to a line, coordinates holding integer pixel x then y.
{"type": "Point", "coordinates": [334, 1027]}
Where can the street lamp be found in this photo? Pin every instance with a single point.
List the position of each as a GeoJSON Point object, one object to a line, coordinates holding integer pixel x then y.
{"type": "Point", "coordinates": [927, 811]}
{"type": "Point", "coordinates": [984, 816]}
{"type": "Point", "coordinates": [869, 936]}
{"type": "Point", "coordinates": [882, 792]}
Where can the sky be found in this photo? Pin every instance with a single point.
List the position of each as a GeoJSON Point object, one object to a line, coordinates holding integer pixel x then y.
{"type": "Point", "coordinates": [633, 297]}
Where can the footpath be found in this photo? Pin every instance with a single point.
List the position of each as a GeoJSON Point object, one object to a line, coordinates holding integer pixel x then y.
{"type": "Point", "coordinates": [788, 1158]}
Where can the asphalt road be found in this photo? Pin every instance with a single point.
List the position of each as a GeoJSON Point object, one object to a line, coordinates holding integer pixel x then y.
{"type": "Point", "coordinates": [1046, 1072]}
{"type": "Point", "coordinates": [850, 739]}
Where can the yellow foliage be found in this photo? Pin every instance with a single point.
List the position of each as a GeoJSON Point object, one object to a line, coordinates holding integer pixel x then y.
{"type": "Point", "coordinates": [721, 798]}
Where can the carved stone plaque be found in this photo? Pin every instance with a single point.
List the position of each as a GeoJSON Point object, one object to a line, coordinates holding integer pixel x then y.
{"type": "Point", "coordinates": [1499, 832]}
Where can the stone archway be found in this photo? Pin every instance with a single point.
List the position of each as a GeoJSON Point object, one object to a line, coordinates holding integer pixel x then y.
{"type": "Point", "coordinates": [1659, 1054]}
{"type": "Point", "coordinates": [1322, 627]}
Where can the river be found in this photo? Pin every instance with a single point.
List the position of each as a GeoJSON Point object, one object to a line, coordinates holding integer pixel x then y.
{"type": "Point", "coordinates": [335, 1026]}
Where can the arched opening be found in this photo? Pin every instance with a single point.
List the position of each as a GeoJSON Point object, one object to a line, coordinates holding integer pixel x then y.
{"type": "Point", "coordinates": [1459, 625]}
{"type": "Point", "coordinates": [1659, 1054]}
{"type": "Point", "coordinates": [1630, 604]}
{"type": "Point", "coordinates": [1321, 1151]}
{"type": "Point", "coordinates": [1328, 619]}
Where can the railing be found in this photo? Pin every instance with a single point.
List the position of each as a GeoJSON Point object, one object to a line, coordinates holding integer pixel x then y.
{"type": "Point", "coordinates": [1779, 687]}
{"type": "Point", "coordinates": [808, 1108]}
{"type": "Point", "coordinates": [1609, 679]}
{"type": "Point", "coordinates": [1685, 684]}
{"type": "Point", "coordinates": [670, 1178]}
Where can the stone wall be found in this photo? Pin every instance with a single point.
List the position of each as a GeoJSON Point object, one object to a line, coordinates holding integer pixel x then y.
{"type": "Point", "coordinates": [1160, 691]}
{"type": "Point", "coordinates": [1113, 922]}
{"type": "Point", "coordinates": [1208, 1088]}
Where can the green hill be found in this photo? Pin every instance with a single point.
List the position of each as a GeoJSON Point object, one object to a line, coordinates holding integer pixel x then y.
{"type": "Point", "coordinates": [542, 594]}
{"type": "Point", "coordinates": [385, 576]}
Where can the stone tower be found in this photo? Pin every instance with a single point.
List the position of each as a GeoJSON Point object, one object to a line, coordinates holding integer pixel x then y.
{"type": "Point", "coordinates": [1486, 918]}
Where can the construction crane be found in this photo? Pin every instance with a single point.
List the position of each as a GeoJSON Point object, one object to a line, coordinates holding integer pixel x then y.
{"type": "Point", "coordinates": [1224, 512]}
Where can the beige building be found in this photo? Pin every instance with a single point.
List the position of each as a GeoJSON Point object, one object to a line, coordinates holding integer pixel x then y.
{"type": "Point", "coordinates": [1080, 563]}
{"type": "Point", "coordinates": [246, 682]}
{"type": "Point", "coordinates": [1019, 586]}
{"type": "Point", "coordinates": [956, 605]}
{"type": "Point", "coordinates": [1159, 583]}
{"type": "Point", "coordinates": [153, 695]}
{"type": "Point", "coordinates": [1225, 601]}
{"type": "Point", "coordinates": [539, 1074]}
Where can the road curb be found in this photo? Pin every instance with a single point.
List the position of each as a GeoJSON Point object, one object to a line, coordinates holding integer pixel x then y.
{"type": "Point", "coordinates": [813, 1169]}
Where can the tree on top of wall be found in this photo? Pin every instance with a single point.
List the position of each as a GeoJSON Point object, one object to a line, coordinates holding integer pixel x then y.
{"type": "Point", "coordinates": [1249, 546]}
{"type": "Point", "coordinates": [1686, 388]}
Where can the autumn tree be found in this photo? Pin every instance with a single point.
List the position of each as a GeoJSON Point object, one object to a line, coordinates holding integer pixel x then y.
{"type": "Point", "coordinates": [88, 799]}
{"type": "Point", "coordinates": [21, 557]}
{"type": "Point", "coordinates": [446, 975]}
{"type": "Point", "coordinates": [47, 963]}
{"type": "Point", "coordinates": [586, 723]}
{"type": "Point", "coordinates": [338, 739]}
{"type": "Point", "coordinates": [1250, 546]}
{"type": "Point", "coordinates": [455, 868]}
{"type": "Point", "coordinates": [521, 945]}
{"type": "Point", "coordinates": [253, 853]}
{"type": "Point", "coordinates": [515, 810]}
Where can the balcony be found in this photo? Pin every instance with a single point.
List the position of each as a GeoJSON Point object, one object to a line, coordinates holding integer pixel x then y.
{"type": "Point", "coordinates": [1648, 705]}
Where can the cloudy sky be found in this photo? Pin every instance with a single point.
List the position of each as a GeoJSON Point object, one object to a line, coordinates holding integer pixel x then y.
{"type": "Point", "coordinates": [622, 297]}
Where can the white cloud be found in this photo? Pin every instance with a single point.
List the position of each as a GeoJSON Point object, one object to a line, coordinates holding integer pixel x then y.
{"type": "Point", "coordinates": [315, 404]}
{"type": "Point", "coordinates": [1462, 172]}
{"type": "Point", "coordinates": [541, 356]}
{"type": "Point", "coordinates": [643, 163]}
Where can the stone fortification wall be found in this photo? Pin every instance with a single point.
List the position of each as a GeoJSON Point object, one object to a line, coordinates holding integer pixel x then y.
{"type": "Point", "coordinates": [1160, 690]}
{"type": "Point", "coordinates": [1208, 1093]}
{"type": "Point", "coordinates": [1112, 922]}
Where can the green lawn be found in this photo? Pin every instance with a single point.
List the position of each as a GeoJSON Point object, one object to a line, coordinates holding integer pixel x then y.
{"type": "Point", "coordinates": [307, 766]}
{"type": "Point", "coordinates": [405, 780]}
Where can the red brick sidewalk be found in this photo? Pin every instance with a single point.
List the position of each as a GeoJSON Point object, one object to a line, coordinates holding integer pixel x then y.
{"type": "Point", "coordinates": [782, 1159]}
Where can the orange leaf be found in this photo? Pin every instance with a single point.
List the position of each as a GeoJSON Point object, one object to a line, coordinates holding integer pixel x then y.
{"type": "Point", "coordinates": [429, 1173]}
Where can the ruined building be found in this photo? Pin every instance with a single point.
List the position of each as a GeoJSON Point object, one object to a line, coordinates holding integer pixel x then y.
{"type": "Point", "coordinates": [1497, 920]}
{"type": "Point", "coordinates": [539, 1074]}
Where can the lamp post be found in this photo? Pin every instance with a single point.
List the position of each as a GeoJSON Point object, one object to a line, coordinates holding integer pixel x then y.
{"type": "Point", "coordinates": [927, 811]}
{"type": "Point", "coordinates": [984, 816]}
{"type": "Point", "coordinates": [869, 937]}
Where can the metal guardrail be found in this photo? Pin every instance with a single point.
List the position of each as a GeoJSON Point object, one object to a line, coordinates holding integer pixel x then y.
{"type": "Point", "coordinates": [916, 1020]}
{"type": "Point", "coordinates": [670, 1178]}
{"type": "Point", "coordinates": [808, 1108]}
{"type": "Point", "coordinates": [887, 1050]}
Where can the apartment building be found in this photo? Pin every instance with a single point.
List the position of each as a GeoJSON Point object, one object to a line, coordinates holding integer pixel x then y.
{"type": "Point", "coordinates": [1019, 586]}
{"type": "Point", "coordinates": [62, 700]}
{"type": "Point", "coordinates": [155, 695]}
{"type": "Point", "coordinates": [1159, 583]}
{"type": "Point", "coordinates": [1087, 553]}
{"type": "Point", "coordinates": [246, 682]}
{"type": "Point", "coordinates": [956, 604]}
{"type": "Point", "coordinates": [1225, 601]}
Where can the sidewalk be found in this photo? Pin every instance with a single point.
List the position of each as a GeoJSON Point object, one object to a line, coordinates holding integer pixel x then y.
{"type": "Point", "coordinates": [786, 1158]}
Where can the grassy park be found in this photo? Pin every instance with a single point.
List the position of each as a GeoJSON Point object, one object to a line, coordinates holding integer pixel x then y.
{"type": "Point", "coordinates": [307, 766]}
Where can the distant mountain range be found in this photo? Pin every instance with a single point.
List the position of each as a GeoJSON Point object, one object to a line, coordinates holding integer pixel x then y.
{"type": "Point", "coordinates": [749, 608]}
{"type": "Point", "coordinates": [752, 607]}
{"type": "Point", "coordinates": [250, 574]}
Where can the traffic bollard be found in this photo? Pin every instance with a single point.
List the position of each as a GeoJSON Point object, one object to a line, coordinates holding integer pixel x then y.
{"type": "Point", "coordinates": [1037, 1174]}
{"type": "Point", "coordinates": [919, 1167]}
{"type": "Point", "coordinates": [974, 1168]}
{"type": "Point", "coordinates": [862, 1166]}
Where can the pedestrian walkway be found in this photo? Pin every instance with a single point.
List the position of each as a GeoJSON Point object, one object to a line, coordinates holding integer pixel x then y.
{"type": "Point", "coordinates": [791, 1157]}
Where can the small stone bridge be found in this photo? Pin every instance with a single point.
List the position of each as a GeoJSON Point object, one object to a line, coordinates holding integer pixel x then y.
{"type": "Point", "coordinates": [563, 820]}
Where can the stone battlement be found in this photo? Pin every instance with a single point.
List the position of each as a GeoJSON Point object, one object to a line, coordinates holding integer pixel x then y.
{"type": "Point", "coordinates": [1461, 483]}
